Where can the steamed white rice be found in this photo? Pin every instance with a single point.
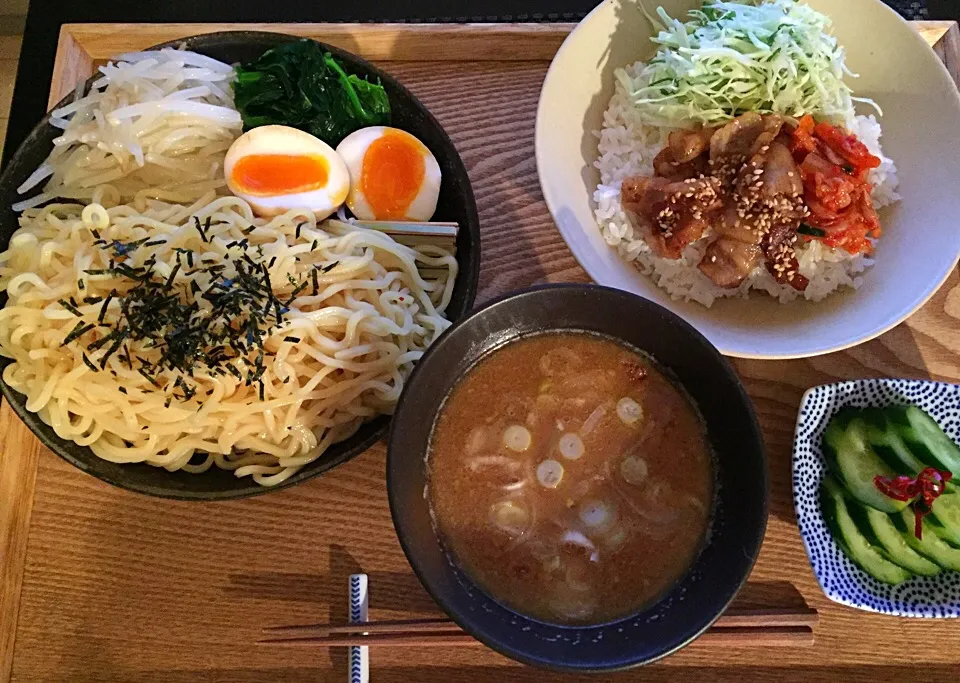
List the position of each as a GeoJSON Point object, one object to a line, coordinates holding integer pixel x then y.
{"type": "Point", "coordinates": [627, 148]}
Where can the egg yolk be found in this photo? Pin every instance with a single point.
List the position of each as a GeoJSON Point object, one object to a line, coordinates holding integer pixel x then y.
{"type": "Point", "coordinates": [264, 175]}
{"type": "Point", "coordinates": [393, 171]}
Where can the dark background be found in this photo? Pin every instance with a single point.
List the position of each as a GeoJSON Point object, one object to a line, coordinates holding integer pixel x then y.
{"type": "Point", "coordinates": [45, 17]}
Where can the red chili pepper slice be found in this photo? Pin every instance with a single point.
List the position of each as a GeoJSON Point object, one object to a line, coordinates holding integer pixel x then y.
{"type": "Point", "coordinates": [921, 490]}
{"type": "Point", "coordinates": [898, 488]}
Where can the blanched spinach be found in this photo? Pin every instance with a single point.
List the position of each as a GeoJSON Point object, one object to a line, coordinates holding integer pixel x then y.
{"type": "Point", "coordinates": [298, 84]}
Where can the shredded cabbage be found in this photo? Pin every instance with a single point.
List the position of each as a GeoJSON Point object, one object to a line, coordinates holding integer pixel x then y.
{"type": "Point", "coordinates": [738, 56]}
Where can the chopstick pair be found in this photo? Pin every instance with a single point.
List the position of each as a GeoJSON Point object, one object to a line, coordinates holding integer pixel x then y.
{"type": "Point", "coordinates": [413, 233]}
{"type": "Point", "coordinates": [736, 628]}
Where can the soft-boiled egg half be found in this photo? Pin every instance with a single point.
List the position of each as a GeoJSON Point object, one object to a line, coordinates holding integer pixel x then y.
{"type": "Point", "coordinates": [278, 168]}
{"type": "Point", "coordinates": [393, 175]}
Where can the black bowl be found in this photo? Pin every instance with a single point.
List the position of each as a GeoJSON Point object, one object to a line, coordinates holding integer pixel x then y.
{"type": "Point", "coordinates": [456, 203]}
{"type": "Point", "coordinates": [739, 516]}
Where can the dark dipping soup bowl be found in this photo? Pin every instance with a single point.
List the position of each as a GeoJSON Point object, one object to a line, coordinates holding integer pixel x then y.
{"type": "Point", "coordinates": [456, 203]}
{"type": "Point", "coordinates": [738, 517]}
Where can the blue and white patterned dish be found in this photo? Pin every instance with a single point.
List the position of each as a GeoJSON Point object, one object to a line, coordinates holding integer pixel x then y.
{"type": "Point", "coordinates": [841, 580]}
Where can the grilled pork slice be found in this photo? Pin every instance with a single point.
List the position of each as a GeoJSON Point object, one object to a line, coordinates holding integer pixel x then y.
{"type": "Point", "coordinates": [672, 214]}
{"type": "Point", "coordinates": [684, 156]}
{"type": "Point", "coordinates": [767, 195]}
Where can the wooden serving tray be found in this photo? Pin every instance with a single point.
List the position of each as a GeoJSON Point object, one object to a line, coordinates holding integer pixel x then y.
{"type": "Point", "coordinates": [100, 584]}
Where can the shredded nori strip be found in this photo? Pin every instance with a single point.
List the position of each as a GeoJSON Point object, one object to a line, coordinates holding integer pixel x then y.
{"type": "Point", "coordinates": [148, 377]}
{"type": "Point", "coordinates": [103, 308]}
{"type": "Point", "coordinates": [165, 316]}
{"type": "Point", "coordinates": [77, 332]}
{"type": "Point", "coordinates": [125, 248]}
{"type": "Point", "coordinates": [173, 275]}
{"type": "Point", "coordinates": [89, 363]}
{"type": "Point", "coordinates": [113, 348]}
{"type": "Point", "coordinates": [203, 235]}
{"type": "Point", "coordinates": [70, 307]}
{"type": "Point", "coordinates": [295, 340]}
{"type": "Point", "coordinates": [100, 343]}
{"type": "Point", "coordinates": [328, 268]}
{"type": "Point", "coordinates": [296, 292]}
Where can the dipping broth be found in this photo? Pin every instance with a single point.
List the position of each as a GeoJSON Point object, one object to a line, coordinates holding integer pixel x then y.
{"type": "Point", "coordinates": [570, 478]}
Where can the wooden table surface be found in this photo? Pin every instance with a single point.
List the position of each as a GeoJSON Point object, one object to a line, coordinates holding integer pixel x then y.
{"type": "Point", "coordinates": [100, 585]}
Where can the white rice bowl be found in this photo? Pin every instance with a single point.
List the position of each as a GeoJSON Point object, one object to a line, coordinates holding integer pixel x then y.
{"type": "Point", "coordinates": [920, 245]}
{"type": "Point", "coordinates": [627, 147]}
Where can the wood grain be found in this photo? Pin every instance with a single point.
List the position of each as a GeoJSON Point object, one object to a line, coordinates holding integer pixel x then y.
{"type": "Point", "coordinates": [19, 453]}
{"type": "Point", "coordinates": [376, 42]}
{"type": "Point", "coordinates": [73, 64]}
{"type": "Point", "coordinates": [120, 587]}
{"type": "Point", "coordinates": [945, 39]}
